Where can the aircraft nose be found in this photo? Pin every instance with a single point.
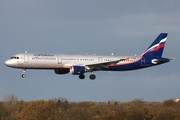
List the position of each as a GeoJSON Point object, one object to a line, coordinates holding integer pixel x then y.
{"type": "Point", "coordinates": [8, 63]}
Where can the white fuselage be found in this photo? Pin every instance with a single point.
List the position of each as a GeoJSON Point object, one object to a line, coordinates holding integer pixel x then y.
{"type": "Point", "coordinates": [55, 61]}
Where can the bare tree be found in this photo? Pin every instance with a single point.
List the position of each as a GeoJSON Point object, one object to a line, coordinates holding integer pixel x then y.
{"type": "Point", "coordinates": [10, 99]}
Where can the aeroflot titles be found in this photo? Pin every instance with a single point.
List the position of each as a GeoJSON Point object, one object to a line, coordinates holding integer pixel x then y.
{"type": "Point", "coordinates": [43, 55]}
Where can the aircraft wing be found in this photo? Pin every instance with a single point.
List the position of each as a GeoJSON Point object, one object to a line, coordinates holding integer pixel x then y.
{"type": "Point", "coordinates": [97, 66]}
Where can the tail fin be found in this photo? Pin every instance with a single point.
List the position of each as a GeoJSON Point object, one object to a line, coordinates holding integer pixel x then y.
{"type": "Point", "coordinates": [157, 47]}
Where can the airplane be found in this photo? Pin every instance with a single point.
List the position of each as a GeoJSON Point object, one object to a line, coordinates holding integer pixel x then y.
{"type": "Point", "coordinates": [80, 64]}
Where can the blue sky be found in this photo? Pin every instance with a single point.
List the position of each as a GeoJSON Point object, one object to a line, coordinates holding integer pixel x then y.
{"type": "Point", "coordinates": [94, 27]}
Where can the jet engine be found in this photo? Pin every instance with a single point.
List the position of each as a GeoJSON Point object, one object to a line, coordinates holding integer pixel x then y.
{"type": "Point", "coordinates": [77, 70]}
{"type": "Point", "coordinates": [61, 71]}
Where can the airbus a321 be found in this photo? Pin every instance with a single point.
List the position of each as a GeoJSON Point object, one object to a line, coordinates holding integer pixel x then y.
{"type": "Point", "coordinates": [80, 64]}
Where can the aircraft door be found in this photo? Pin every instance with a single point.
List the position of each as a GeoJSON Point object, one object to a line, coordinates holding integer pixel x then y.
{"type": "Point", "coordinates": [143, 62]}
{"type": "Point", "coordinates": [99, 59]}
{"type": "Point", "coordinates": [26, 58]}
{"type": "Point", "coordinates": [59, 59]}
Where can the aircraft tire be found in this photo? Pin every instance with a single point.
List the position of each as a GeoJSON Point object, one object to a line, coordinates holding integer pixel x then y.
{"type": "Point", "coordinates": [92, 77]}
{"type": "Point", "coordinates": [81, 76]}
{"type": "Point", "coordinates": [23, 75]}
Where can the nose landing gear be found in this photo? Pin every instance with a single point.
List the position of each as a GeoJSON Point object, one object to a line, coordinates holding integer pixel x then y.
{"type": "Point", "coordinates": [24, 73]}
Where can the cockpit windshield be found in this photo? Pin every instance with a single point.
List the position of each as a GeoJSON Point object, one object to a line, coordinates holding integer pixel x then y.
{"type": "Point", "coordinates": [14, 57]}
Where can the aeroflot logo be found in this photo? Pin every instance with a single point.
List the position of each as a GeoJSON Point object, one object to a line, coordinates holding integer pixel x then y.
{"type": "Point", "coordinates": [157, 46]}
{"type": "Point", "coordinates": [128, 58]}
{"type": "Point", "coordinates": [43, 55]}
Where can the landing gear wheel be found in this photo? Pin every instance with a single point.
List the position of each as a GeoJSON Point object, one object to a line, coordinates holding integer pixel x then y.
{"type": "Point", "coordinates": [81, 76]}
{"type": "Point", "coordinates": [23, 75]}
{"type": "Point", "coordinates": [92, 76]}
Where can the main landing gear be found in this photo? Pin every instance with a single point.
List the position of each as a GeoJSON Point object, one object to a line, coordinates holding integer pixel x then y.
{"type": "Point", "coordinates": [92, 76]}
{"type": "Point", "coordinates": [24, 73]}
{"type": "Point", "coordinates": [81, 76]}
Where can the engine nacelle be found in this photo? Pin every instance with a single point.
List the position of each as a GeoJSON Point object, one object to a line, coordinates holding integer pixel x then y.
{"type": "Point", "coordinates": [77, 70]}
{"type": "Point", "coordinates": [61, 71]}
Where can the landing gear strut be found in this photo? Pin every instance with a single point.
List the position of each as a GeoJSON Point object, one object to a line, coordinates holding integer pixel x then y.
{"type": "Point", "coordinates": [24, 73]}
{"type": "Point", "coordinates": [81, 76]}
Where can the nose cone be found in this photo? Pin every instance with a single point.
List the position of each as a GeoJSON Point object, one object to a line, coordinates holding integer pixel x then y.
{"type": "Point", "coordinates": [8, 63]}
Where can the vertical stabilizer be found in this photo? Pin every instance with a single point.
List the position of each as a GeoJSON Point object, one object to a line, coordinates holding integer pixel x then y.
{"type": "Point", "coordinates": [157, 47]}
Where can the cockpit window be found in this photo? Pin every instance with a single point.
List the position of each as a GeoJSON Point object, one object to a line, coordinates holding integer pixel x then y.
{"type": "Point", "coordinates": [14, 57]}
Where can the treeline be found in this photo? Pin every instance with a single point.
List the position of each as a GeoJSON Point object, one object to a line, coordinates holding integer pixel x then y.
{"type": "Point", "coordinates": [62, 109]}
